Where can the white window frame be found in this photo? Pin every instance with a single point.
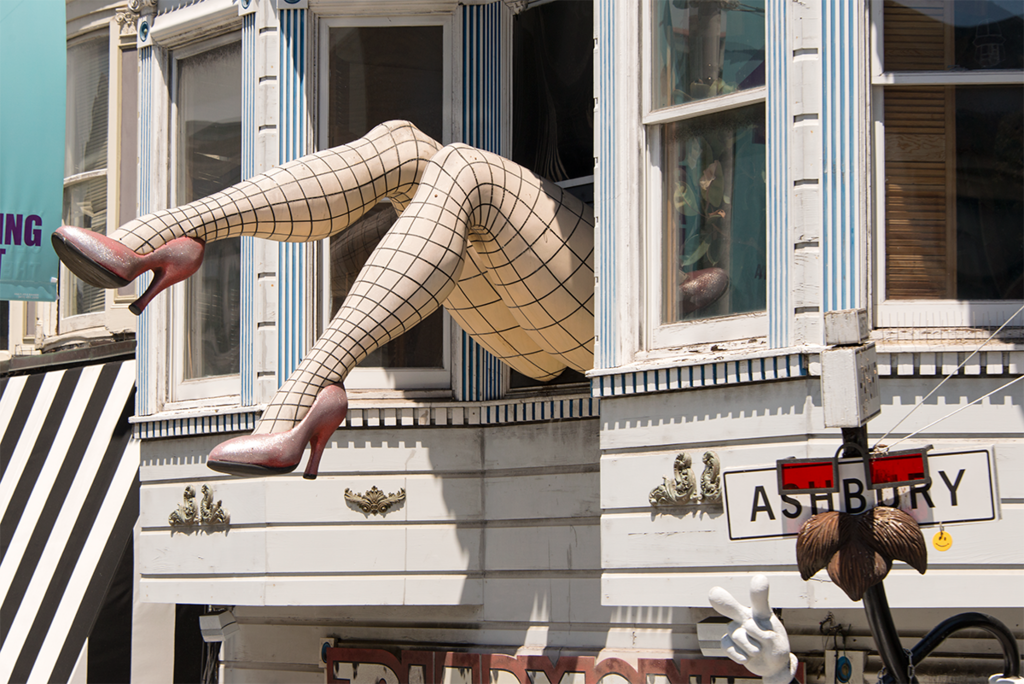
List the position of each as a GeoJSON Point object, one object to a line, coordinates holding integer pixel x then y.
{"type": "Point", "coordinates": [398, 379]}
{"type": "Point", "coordinates": [660, 338]}
{"type": "Point", "coordinates": [922, 312]}
{"type": "Point", "coordinates": [214, 390]}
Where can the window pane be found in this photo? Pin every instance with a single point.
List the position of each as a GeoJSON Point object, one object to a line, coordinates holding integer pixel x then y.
{"type": "Point", "coordinates": [88, 89]}
{"type": "Point", "coordinates": [714, 198]}
{"type": "Point", "coordinates": [703, 49]}
{"type": "Point", "coordinates": [553, 90]}
{"type": "Point", "coordinates": [382, 73]}
{"type": "Point", "coordinates": [378, 74]}
{"type": "Point", "coordinates": [945, 35]}
{"type": "Point", "coordinates": [128, 191]}
{"type": "Point", "coordinates": [954, 203]}
{"type": "Point", "coordinates": [85, 206]}
{"type": "Point", "coordinates": [209, 158]}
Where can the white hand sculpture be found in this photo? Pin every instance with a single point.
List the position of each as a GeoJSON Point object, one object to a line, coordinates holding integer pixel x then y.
{"type": "Point", "coordinates": [756, 638]}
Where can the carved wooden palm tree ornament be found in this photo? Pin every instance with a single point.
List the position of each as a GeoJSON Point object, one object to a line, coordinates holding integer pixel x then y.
{"type": "Point", "coordinates": [858, 550]}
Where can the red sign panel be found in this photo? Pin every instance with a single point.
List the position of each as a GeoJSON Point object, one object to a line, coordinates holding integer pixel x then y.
{"type": "Point", "coordinates": [374, 666]}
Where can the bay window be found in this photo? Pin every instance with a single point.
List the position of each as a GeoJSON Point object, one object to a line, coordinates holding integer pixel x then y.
{"type": "Point", "coordinates": [705, 127]}
{"type": "Point", "coordinates": [949, 113]}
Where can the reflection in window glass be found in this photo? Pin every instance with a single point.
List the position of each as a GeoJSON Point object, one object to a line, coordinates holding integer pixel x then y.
{"type": "Point", "coordinates": [954, 203]}
{"type": "Point", "coordinates": [209, 158]}
{"type": "Point", "coordinates": [703, 49]}
{"type": "Point", "coordinates": [378, 74]}
{"type": "Point", "coordinates": [953, 35]}
{"type": "Point", "coordinates": [714, 199]}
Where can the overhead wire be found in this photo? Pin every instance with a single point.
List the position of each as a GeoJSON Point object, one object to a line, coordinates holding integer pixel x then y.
{"type": "Point", "coordinates": [936, 389]}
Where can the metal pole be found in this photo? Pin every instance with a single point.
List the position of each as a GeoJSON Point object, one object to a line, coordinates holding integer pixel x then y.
{"type": "Point", "coordinates": [1011, 654]}
{"type": "Point", "coordinates": [876, 606]}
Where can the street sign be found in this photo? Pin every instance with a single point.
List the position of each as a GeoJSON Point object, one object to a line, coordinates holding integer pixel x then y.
{"type": "Point", "coordinates": [961, 490]}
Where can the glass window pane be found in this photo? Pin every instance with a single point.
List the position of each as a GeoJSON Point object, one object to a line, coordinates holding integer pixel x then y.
{"type": "Point", "coordinates": [553, 90]}
{"type": "Point", "coordinates": [378, 74]}
{"type": "Point", "coordinates": [990, 193]}
{"type": "Point", "coordinates": [703, 49]}
{"type": "Point", "coordinates": [945, 35]}
{"type": "Point", "coordinates": [381, 73]}
{"type": "Point", "coordinates": [209, 158]}
{"type": "Point", "coordinates": [128, 191]}
{"type": "Point", "coordinates": [85, 206]}
{"type": "Point", "coordinates": [714, 208]}
{"type": "Point", "coordinates": [87, 101]}
{"type": "Point", "coordinates": [954, 202]}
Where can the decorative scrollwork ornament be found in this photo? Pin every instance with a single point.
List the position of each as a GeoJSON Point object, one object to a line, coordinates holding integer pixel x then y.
{"type": "Point", "coordinates": [374, 501]}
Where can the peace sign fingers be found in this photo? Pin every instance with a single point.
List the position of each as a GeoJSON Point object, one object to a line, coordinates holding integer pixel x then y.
{"type": "Point", "coordinates": [727, 605]}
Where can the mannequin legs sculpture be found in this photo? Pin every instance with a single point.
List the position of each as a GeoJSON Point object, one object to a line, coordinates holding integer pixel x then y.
{"type": "Point", "coordinates": [508, 254]}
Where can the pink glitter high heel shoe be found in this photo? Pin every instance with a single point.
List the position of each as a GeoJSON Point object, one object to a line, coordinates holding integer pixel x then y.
{"type": "Point", "coordinates": [279, 453]}
{"type": "Point", "coordinates": [104, 262]}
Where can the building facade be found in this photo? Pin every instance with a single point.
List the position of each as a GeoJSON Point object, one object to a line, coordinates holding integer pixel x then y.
{"type": "Point", "coordinates": [814, 162]}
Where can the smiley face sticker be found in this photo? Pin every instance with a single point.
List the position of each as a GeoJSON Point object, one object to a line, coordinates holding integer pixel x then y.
{"type": "Point", "coordinates": [942, 541]}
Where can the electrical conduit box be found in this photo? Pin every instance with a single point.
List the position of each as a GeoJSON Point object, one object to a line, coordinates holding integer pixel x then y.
{"type": "Point", "coordinates": [849, 385]}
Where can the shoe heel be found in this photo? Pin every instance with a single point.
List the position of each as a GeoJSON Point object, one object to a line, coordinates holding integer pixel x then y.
{"type": "Point", "coordinates": [156, 286]}
{"type": "Point", "coordinates": [326, 414]}
{"type": "Point", "coordinates": [171, 264]}
{"type": "Point", "coordinates": [316, 450]}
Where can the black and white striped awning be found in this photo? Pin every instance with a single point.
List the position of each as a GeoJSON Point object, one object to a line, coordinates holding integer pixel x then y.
{"type": "Point", "coordinates": [69, 499]}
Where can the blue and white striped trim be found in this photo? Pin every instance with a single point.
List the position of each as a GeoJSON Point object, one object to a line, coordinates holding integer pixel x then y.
{"type": "Point", "coordinates": [715, 374]}
{"type": "Point", "coordinates": [143, 347]}
{"type": "Point", "coordinates": [607, 338]}
{"type": "Point", "coordinates": [573, 407]}
{"type": "Point", "coordinates": [779, 183]}
{"type": "Point", "coordinates": [247, 346]}
{"type": "Point", "coordinates": [292, 257]}
{"type": "Point", "coordinates": [840, 191]}
{"type": "Point", "coordinates": [195, 425]}
{"type": "Point", "coordinates": [482, 109]}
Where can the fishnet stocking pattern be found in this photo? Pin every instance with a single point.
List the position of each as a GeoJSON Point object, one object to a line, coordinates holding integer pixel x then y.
{"type": "Point", "coordinates": [533, 248]}
{"type": "Point", "coordinates": [509, 254]}
{"type": "Point", "coordinates": [307, 199]}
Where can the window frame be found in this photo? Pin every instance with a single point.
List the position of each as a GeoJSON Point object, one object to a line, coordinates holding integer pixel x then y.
{"type": "Point", "coordinates": [386, 380]}
{"type": "Point", "coordinates": [661, 338]}
{"type": "Point", "coordinates": [114, 316]}
{"type": "Point", "coordinates": [211, 390]}
{"type": "Point", "coordinates": [899, 313]}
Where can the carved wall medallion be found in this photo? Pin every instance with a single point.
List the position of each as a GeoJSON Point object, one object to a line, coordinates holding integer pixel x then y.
{"type": "Point", "coordinates": [710, 482]}
{"type": "Point", "coordinates": [682, 489]}
{"type": "Point", "coordinates": [205, 512]}
{"type": "Point", "coordinates": [374, 501]}
{"type": "Point", "coordinates": [185, 516]}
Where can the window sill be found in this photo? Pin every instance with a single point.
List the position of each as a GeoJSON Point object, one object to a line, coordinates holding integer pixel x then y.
{"type": "Point", "coordinates": [713, 366]}
{"type": "Point", "coordinates": [382, 413]}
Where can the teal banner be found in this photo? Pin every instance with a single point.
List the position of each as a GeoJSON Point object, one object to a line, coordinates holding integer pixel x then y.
{"type": "Point", "coordinates": [33, 62]}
